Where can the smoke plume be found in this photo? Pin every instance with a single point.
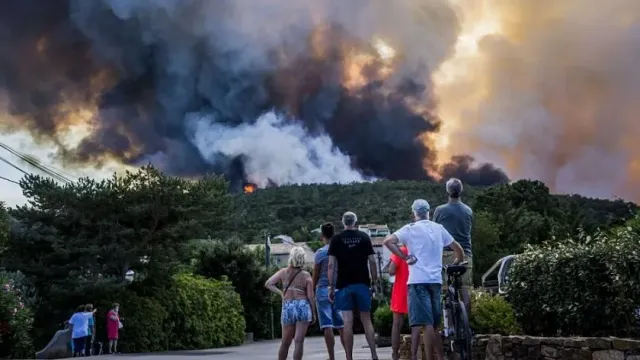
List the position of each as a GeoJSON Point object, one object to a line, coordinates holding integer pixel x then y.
{"type": "Point", "coordinates": [270, 92]}
{"type": "Point", "coordinates": [549, 90]}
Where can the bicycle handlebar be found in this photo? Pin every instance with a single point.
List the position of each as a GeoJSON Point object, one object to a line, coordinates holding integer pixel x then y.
{"type": "Point", "coordinates": [462, 263]}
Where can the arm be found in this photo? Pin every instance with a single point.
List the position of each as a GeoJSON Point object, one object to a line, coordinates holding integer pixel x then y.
{"type": "Point", "coordinates": [113, 316]}
{"type": "Point", "coordinates": [447, 240]}
{"type": "Point", "coordinates": [457, 250]}
{"type": "Point", "coordinates": [310, 296]}
{"type": "Point", "coordinates": [330, 270]}
{"type": "Point", "coordinates": [273, 280]}
{"type": "Point", "coordinates": [373, 268]}
{"type": "Point", "coordinates": [316, 275]}
{"type": "Point", "coordinates": [392, 267]}
{"type": "Point", "coordinates": [391, 242]}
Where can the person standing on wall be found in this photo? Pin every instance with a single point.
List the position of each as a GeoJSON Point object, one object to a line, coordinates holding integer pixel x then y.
{"type": "Point", "coordinates": [352, 252]}
{"type": "Point", "coordinates": [328, 316]}
{"type": "Point", "coordinates": [399, 305]}
{"type": "Point", "coordinates": [457, 219]}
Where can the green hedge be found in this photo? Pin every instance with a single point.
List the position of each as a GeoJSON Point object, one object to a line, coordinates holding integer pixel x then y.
{"type": "Point", "coordinates": [492, 314]}
{"type": "Point", "coordinates": [588, 287]}
{"type": "Point", "coordinates": [185, 312]}
{"type": "Point", "coordinates": [144, 321]}
{"type": "Point", "coordinates": [203, 313]}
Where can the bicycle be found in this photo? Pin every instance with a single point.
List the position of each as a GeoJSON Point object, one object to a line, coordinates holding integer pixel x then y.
{"type": "Point", "coordinates": [461, 332]}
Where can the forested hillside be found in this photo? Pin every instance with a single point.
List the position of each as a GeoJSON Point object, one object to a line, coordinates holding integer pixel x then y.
{"type": "Point", "coordinates": [506, 216]}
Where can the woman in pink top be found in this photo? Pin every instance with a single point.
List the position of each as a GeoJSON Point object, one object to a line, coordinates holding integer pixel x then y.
{"type": "Point", "coordinates": [113, 327]}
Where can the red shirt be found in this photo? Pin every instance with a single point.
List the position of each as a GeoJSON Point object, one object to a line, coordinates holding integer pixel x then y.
{"type": "Point", "coordinates": [399, 302]}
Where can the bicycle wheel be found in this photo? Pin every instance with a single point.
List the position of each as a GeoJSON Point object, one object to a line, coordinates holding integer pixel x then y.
{"type": "Point", "coordinates": [462, 337]}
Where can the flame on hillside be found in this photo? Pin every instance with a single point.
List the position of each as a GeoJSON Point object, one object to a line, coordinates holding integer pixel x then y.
{"type": "Point", "coordinates": [249, 188]}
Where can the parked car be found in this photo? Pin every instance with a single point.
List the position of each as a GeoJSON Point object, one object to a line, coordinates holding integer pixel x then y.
{"type": "Point", "coordinates": [495, 280]}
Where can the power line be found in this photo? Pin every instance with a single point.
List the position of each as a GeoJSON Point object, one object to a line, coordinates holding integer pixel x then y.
{"type": "Point", "coordinates": [9, 180]}
{"type": "Point", "coordinates": [52, 172]}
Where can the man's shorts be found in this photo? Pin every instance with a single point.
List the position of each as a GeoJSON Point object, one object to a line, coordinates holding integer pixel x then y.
{"type": "Point", "coordinates": [448, 257]}
{"type": "Point", "coordinates": [352, 297]}
{"type": "Point", "coordinates": [425, 306]}
{"type": "Point", "coordinates": [328, 315]}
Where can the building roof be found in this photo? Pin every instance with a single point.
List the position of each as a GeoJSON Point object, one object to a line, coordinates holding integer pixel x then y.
{"type": "Point", "coordinates": [374, 226]}
{"type": "Point", "coordinates": [284, 249]}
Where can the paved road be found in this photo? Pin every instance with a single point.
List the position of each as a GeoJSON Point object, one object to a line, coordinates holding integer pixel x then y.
{"type": "Point", "coordinates": [314, 349]}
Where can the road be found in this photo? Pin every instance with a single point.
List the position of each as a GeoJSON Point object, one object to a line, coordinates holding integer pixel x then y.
{"type": "Point", "coordinates": [314, 349]}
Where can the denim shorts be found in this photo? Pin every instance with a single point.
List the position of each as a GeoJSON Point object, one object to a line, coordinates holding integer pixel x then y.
{"type": "Point", "coordinates": [328, 315]}
{"type": "Point", "coordinates": [425, 305]}
{"type": "Point", "coordinates": [295, 311]}
{"type": "Point", "coordinates": [352, 297]}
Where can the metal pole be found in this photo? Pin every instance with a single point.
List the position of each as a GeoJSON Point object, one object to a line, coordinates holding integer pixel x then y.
{"type": "Point", "coordinates": [267, 262]}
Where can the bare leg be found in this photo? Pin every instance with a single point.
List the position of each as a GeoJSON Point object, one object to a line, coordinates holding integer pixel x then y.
{"type": "Point", "coordinates": [428, 341]}
{"type": "Point", "coordinates": [287, 337]}
{"type": "Point", "coordinates": [415, 341]}
{"type": "Point", "coordinates": [347, 317]}
{"type": "Point", "coordinates": [341, 333]}
{"type": "Point", "coordinates": [110, 346]}
{"type": "Point", "coordinates": [369, 333]}
{"type": "Point", "coordinates": [115, 346]}
{"type": "Point", "coordinates": [398, 321]}
{"type": "Point", "coordinates": [437, 344]}
{"type": "Point", "coordinates": [298, 340]}
{"type": "Point", "coordinates": [329, 339]}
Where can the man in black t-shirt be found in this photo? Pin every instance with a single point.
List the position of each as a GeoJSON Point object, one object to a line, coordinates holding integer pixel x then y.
{"type": "Point", "coordinates": [352, 251]}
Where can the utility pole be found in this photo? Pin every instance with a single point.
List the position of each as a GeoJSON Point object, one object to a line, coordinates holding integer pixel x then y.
{"type": "Point", "coordinates": [267, 262]}
{"type": "Point", "coordinates": [379, 254]}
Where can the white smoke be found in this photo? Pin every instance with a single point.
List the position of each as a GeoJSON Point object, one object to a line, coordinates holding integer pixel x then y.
{"type": "Point", "coordinates": [274, 149]}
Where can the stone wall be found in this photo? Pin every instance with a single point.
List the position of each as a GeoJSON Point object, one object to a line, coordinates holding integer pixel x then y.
{"type": "Point", "coordinates": [497, 347]}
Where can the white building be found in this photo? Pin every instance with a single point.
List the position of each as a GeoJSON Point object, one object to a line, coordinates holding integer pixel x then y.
{"type": "Point", "coordinates": [280, 253]}
{"type": "Point", "coordinates": [377, 234]}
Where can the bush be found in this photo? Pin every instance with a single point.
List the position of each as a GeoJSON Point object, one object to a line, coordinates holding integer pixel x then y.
{"type": "Point", "coordinates": [383, 321]}
{"type": "Point", "coordinates": [246, 271]}
{"type": "Point", "coordinates": [492, 314]}
{"type": "Point", "coordinates": [203, 314]}
{"type": "Point", "coordinates": [145, 320]}
{"type": "Point", "coordinates": [16, 322]}
{"type": "Point", "coordinates": [587, 287]}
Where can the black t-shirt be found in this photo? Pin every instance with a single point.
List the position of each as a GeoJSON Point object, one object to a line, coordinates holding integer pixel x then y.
{"type": "Point", "coordinates": [352, 249]}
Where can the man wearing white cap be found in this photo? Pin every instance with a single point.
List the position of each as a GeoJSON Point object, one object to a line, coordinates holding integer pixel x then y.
{"type": "Point", "coordinates": [425, 241]}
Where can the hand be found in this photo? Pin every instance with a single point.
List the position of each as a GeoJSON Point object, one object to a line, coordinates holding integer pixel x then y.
{"type": "Point", "coordinates": [332, 294]}
{"type": "Point", "coordinates": [314, 319]}
{"type": "Point", "coordinates": [411, 260]}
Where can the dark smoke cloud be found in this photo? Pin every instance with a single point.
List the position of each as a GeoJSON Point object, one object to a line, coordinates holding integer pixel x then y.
{"type": "Point", "coordinates": [228, 86]}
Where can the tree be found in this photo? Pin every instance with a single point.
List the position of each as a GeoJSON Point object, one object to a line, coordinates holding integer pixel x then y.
{"type": "Point", "coordinates": [4, 227]}
{"type": "Point", "coordinates": [79, 239]}
{"type": "Point", "coordinates": [245, 269]}
{"type": "Point", "coordinates": [486, 245]}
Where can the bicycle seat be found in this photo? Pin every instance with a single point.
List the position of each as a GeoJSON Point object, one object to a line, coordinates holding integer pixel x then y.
{"type": "Point", "coordinates": [456, 270]}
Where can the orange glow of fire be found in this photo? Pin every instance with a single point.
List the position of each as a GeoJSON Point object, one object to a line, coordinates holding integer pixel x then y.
{"type": "Point", "coordinates": [249, 188]}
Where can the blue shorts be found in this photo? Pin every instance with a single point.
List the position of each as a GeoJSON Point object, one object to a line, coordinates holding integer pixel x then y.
{"type": "Point", "coordinates": [295, 311]}
{"type": "Point", "coordinates": [357, 296]}
{"type": "Point", "coordinates": [425, 305]}
{"type": "Point", "coordinates": [328, 315]}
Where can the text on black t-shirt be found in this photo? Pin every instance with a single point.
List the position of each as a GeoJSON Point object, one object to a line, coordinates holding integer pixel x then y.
{"type": "Point", "coordinates": [352, 249]}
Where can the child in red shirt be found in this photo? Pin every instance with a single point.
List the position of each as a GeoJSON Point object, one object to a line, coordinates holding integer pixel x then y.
{"type": "Point", "coordinates": [399, 303]}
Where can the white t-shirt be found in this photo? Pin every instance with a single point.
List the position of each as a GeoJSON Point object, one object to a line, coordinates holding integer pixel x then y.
{"type": "Point", "coordinates": [80, 322]}
{"type": "Point", "coordinates": [425, 240]}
